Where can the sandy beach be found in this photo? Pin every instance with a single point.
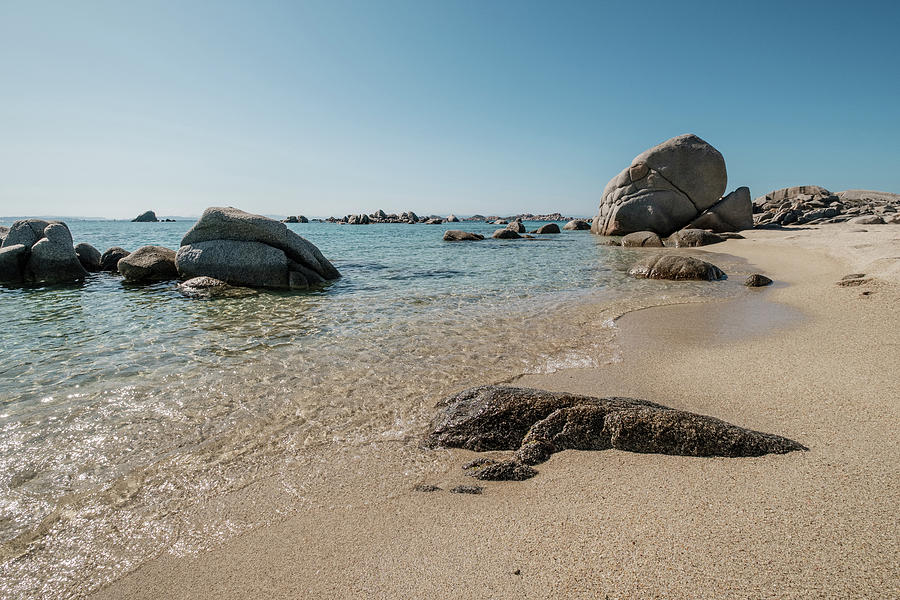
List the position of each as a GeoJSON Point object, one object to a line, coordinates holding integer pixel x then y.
{"type": "Point", "coordinates": [804, 358]}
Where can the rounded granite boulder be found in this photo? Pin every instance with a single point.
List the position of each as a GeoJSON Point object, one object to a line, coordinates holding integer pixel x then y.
{"type": "Point", "coordinates": [149, 263]}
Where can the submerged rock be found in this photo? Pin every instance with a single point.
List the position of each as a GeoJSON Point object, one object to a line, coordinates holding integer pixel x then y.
{"type": "Point", "coordinates": [537, 424]}
{"type": "Point", "coordinates": [209, 287]}
{"type": "Point", "coordinates": [455, 235]}
{"type": "Point", "coordinates": [109, 261]}
{"type": "Point", "coordinates": [663, 189]}
{"type": "Point", "coordinates": [149, 263]}
{"type": "Point", "coordinates": [677, 267]}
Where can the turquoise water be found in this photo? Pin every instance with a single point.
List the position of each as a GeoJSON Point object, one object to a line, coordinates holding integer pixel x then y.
{"type": "Point", "coordinates": [121, 405]}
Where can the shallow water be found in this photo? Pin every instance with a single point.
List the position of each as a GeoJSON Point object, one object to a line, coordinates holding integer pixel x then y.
{"type": "Point", "coordinates": [121, 406]}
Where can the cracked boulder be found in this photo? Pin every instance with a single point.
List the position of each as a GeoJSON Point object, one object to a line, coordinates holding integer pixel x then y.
{"type": "Point", "coordinates": [244, 249]}
{"type": "Point", "coordinates": [663, 189]}
{"type": "Point", "coordinates": [536, 424]}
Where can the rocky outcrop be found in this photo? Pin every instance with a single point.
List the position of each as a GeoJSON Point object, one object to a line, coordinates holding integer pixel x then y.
{"type": "Point", "coordinates": [147, 217]}
{"type": "Point", "coordinates": [250, 250]}
{"type": "Point", "coordinates": [455, 235]}
{"type": "Point", "coordinates": [109, 261]}
{"type": "Point", "coordinates": [149, 263]}
{"type": "Point", "coordinates": [358, 220]}
{"type": "Point", "coordinates": [506, 234]}
{"type": "Point", "coordinates": [734, 212]}
{"type": "Point", "coordinates": [88, 256]}
{"type": "Point", "coordinates": [642, 239]}
{"type": "Point", "coordinates": [452, 219]}
{"type": "Point", "coordinates": [536, 424]}
{"type": "Point", "coordinates": [548, 228]}
{"type": "Point", "coordinates": [693, 238]}
{"type": "Point", "coordinates": [676, 267]}
{"type": "Point", "coordinates": [664, 188]}
{"type": "Point", "coordinates": [38, 251]}
{"type": "Point", "coordinates": [577, 225]}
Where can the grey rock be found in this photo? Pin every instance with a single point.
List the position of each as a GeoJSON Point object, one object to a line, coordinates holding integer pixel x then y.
{"type": "Point", "coordinates": [757, 280]}
{"type": "Point", "coordinates": [516, 226]}
{"type": "Point", "coordinates": [88, 256]}
{"type": "Point", "coordinates": [500, 222]}
{"type": "Point", "coordinates": [235, 262]}
{"type": "Point", "coordinates": [676, 267]}
{"type": "Point", "coordinates": [3, 233]}
{"type": "Point", "coordinates": [642, 239]}
{"type": "Point", "coordinates": [868, 220]}
{"type": "Point", "coordinates": [53, 258]}
{"type": "Point", "coordinates": [868, 196]}
{"type": "Point", "coordinates": [26, 232]}
{"type": "Point", "coordinates": [147, 217]}
{"type": "Point", "coordinates": [577, 225]}
{"type": "Point", "coordinates": [109, 260]}
{"type": "Point", "coordinates": [791, 194]}
{"type": "Point", "coordinates": [506, 234]}
{"type": "Point", "coordinates": [664, 189]}
{"type": "Point", "coordinates": [734, 212]}
{"type": "Point", "coordinates": [356, 220]}
{"type": "Point", "coordinates": [12, 263]}
{"type": "Point", "coordinates": [692, 238]}
{"type": "Point", "coordinates": [291, 219]}
{"type": "Point", "coordinates": [149, 263]}
{"type": "Point", "coordinates": [538, 423]}
{"type": "Point", "coordinates": [452, 219]}
{"type": "Point", "coordinates": [302, 219]}
{"type": "Point", "coordinates": [455, 235]}
{"type": "Point", "coordinates": [434, 221]}
{"type": "Point", "coordinates": [219, 223]}
{"type": "Point", "coordinates": [548, 228]}
{"type": "Point", "coordinates": [209, 287]}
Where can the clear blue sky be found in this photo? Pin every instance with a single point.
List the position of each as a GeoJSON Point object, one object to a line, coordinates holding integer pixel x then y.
{"type": "Point", "coordinates": [321, 108]}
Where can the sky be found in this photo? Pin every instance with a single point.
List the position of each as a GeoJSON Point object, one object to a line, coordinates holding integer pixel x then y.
{"type": "Point", "coordinates": [108, 109]}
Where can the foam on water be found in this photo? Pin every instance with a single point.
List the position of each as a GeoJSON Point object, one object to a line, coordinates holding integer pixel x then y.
{"type": "Point", "coordinates": [124, 406]}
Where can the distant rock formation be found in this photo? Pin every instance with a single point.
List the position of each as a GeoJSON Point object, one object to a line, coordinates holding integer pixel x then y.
{"type": "Point", "coordinates": [244, 249]}
{"type": "Point", "coordinates": [147, 217]}
{"type": "Point", "coordinates": [664, 188]}
{"type": "Point", "coordinates": [38, 251]}
{"type": "Point", "coordinates": [537, 423]}
{"type": "Point", "coordinates": [815, 205]}
{"type": "Point", "coordinates": [455, 235]}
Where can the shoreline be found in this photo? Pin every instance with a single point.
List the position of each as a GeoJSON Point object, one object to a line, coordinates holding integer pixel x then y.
{"type": "Point", "coordinates": [542, 527]}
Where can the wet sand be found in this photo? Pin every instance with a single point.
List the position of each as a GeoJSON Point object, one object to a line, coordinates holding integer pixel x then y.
{"type": "Point", "coordinates": [805, 358]}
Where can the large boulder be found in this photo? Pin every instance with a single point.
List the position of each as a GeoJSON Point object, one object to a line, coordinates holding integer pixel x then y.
{"type": "Point", "coordinates": [88, 256]}
{"type": "Point", "coordinates": [456, 235]}
{"type": "Point", "coordinates": [663, 189]}
{"type": "Point", "coordinates": [577, 225]}
{"type": "Point", "coordinates": [506, 234]}
{"type": "Point", "coordinates": [147, 217]}
{"type": "Point", "coordinates": [149, 263]}
{"type": "Point", "coordinates": [538, 423]}
{"type": "Point", "coordinates": [516, 226]}
{"type": "Point", "coordinates": [252, 264]}
{"type": "Point", "coordinates": [677, 267]}
{"type": "Point", "coordinates": [642, 239]}
{"type": "Point", "coordinates": [38, 251]}
{"type": "Point", "coordinates": [231, 224]}
{"type": "Point", "coordinates": [548, 228]}
{"type": "Point", "coordinates": [734, 212]}
{"type": "Point", "coordinates": [109, 260]}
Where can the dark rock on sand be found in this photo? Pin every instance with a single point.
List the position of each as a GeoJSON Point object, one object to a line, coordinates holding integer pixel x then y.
{"type": "Point", "coordinates": [537, 424]}
{"type": "Point", "coordinates": [467, 489]}
{"type": "Point", "coordinates": [548, 228]}
{"type": "Point", "coordinates": [757, 280]}
{"type": "Point", "coordinates": [663, 189]}
{"type": "Point", "coordinates": [676, 267]}
{"type": "Point", "coordinates": [426, 487]}
{"type": "Point", "coordinates": [488, 469]}
{"type": "Point", "coordinates": [853, 282]}
{"type": "Point", "coordinates": [149, 263]}
{"type": "Point", "coordinates": [246, 249]}
{"type": "Point", "coordinates": [505, 234]}
{"type": "Point", "coordinates": [577, 225]}
{"type": "Point", "coordinates": [109, 261]}
{"type": "Point", "coordinates": [455, 235]}
{"type": "Point", "coordinates": [88, 256]}
{"type": "Point", "coordinates": [642, 239]}
{"type": "Point", "coordinates": [147, 217]}
{"type": "Point", "coordinates": [692, 238]}
{"type": "Point", "coordinates": [734, 212]}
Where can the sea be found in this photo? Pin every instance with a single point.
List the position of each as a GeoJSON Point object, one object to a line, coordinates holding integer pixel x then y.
{"type": "Point", "coordinates": [123, 408]}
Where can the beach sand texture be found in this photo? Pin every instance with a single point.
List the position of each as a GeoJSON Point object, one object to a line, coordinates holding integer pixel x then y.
{"type": "Point", "coordinates": [805, 358]}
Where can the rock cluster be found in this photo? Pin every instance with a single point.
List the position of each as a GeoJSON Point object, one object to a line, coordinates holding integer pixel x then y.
{"type": "Point", "coordinates": [38, 251]}
{"type": "Point", "coordinates": [815, 205]}
{"type": "Point", "coordinates": [244, 249]}
{"type": "Point", "coordinates": [295, 219]}
{"type": "Point", "coordinates": [536, 424]}
{"type": "Point", "coordinates": [670, 186]}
